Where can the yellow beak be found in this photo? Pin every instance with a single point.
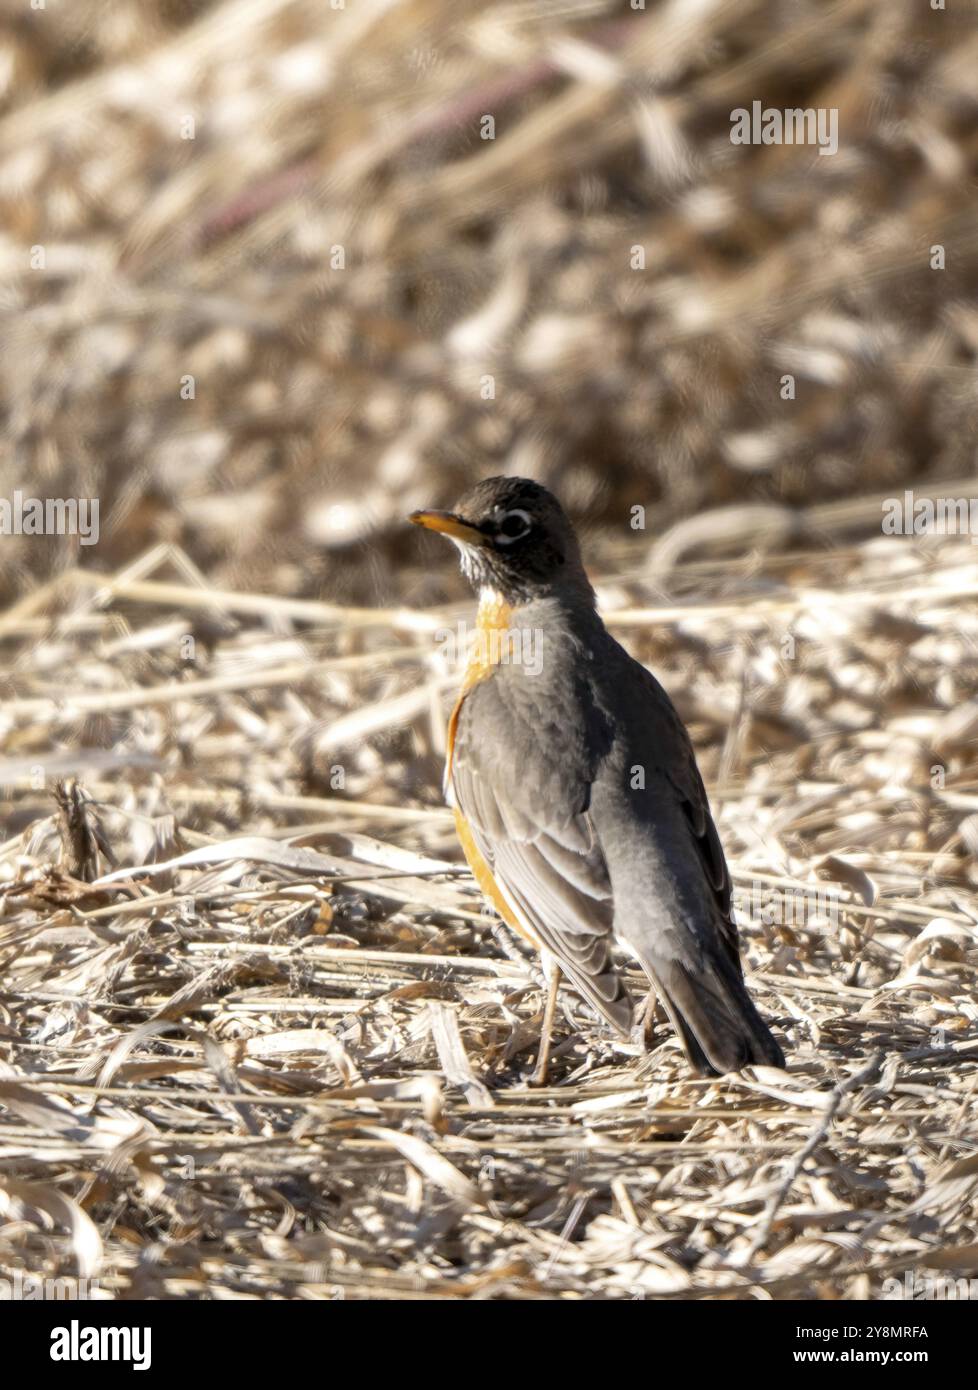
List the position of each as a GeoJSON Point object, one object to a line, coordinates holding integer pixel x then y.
{"type": "Point", "coordinates": [449, 525]}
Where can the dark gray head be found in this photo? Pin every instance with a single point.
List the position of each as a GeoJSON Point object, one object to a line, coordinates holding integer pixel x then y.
{"type": "Point", "coordinates": [513, 536]}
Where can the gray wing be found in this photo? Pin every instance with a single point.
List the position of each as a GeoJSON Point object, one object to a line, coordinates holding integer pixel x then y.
{"type": "Point", "coordinates": [522, 762]}
{"type": "Point", "coordinates": [672, 885]}
{"type": "Point", "coordinates": [678, 763]}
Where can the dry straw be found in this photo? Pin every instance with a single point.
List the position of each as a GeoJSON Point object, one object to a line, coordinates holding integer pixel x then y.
{"type": "Point", "coordinates": [259, 1038]}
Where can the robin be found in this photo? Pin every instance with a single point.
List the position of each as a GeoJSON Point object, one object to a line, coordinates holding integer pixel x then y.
{"type": "Point", "coordinates": [578, 801]}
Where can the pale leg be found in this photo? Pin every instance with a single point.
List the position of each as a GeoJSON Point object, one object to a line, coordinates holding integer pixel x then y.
{"type": "Point", "coordinates": [552, 971]}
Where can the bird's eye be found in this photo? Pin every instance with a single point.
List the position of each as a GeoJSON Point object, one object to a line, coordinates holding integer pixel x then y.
{"type": "Point", "coordinates": [512, 527]}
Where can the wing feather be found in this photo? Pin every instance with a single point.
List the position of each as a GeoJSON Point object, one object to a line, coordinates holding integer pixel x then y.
{"type": "Point", "coordinates": [530, 828]}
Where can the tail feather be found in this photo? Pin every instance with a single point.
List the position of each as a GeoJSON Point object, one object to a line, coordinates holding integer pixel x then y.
{"type": "Point", "coordinates": [715, 1018]}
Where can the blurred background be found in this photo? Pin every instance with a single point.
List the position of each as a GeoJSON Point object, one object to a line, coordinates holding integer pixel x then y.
{"type": "Point", "coordinates": [267, 286]}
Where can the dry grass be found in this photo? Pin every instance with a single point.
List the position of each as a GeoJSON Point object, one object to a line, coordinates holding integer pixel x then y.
{"type": "Point", "coordinates": [260, 1040]}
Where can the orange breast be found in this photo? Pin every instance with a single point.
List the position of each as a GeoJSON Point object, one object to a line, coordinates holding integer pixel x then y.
{"type": "Point", "coordinates": [492, 623]}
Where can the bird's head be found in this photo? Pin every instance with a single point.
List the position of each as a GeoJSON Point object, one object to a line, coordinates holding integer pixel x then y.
{"type": "Point", "coordinates": [513, 537]}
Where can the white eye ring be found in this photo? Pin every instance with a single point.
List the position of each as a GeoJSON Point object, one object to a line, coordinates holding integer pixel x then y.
{"type": "Point", "coordinates": [527, 521]}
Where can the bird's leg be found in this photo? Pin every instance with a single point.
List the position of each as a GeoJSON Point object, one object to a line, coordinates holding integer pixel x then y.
{"type": "Point", "coordinates": [507, 942]}
{"type": "Point", "coordinates": [552, 970]}
{"type": "Point", "coordinates": [647, 1020]}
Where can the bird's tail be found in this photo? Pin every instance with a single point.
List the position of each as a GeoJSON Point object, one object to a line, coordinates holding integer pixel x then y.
{"type": "Point", "coordinates": [714, 1016]}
